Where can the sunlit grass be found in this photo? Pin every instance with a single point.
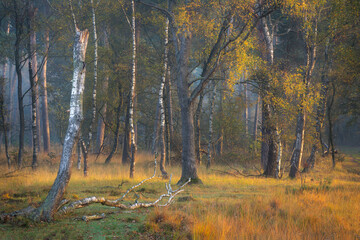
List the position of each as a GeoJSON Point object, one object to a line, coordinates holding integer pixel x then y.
{"type": "Point", "coordinates": [323, 204]}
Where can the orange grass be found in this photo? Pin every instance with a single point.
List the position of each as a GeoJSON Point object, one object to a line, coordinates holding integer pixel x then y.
{"type": "Point", "coordinates": [323, 205]}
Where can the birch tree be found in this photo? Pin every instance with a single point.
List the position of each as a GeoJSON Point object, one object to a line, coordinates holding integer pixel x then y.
{"type": "Point", "coordinates": [162, 105]}
{"type": "Point", "coordinates": [86, 145]}
{"type": "Point", "coordinates": [320, 112]}
{"type": "Point", "coordinates": [310, 16]}
{"type": "Point", "coordinates": [270, 145]}
{"type": "Point", "coordinates": [132, 92]}
{"type": "Point", "coordinates": [53, 200]}
{"type": "Point", "coordinates": [33, 81]}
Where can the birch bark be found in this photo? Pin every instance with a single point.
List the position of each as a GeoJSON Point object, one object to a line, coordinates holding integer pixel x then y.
{"type": "Point", "coordinates": [132, 93]}
{"type": "Point", "coordinates": [50, 206]}
{"type": "Point", "coordinates": [31, 51]}
{"type": "Point", "coordinates": [311, 50]}
{"type": "Point", "coordinates": [320, 113]}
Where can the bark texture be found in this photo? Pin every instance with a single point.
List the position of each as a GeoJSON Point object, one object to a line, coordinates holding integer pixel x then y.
{"type": "Point", "coordinates": [49, 207]}
{"type": "Point", "coordinates": [269, 140]}
{"type": "Point", "coordinates": [19, 20]}
{"type": "Point", "coordinates": [3, 110]}
{"type": "Point", "coordinates": [320, 113]}
{"type": "Point", "coordinates": [101, 120]}
{"type": "Point", "coordinates": [197, 128]}
{"type": "Point", "coordinates": [311, 50]}
{"type": "Point", "coordinates": [31, 51]}
{"type": "Point", "coordinates": [116, 136]}
{"type": "Point", "coordinates": [44, 105]}
{"type": "Point", "coordinates": [210, 142]}
{"type": "Point", "coordinates": [132, 94]}
{"type": "Point", "coordinates": [162, 105]}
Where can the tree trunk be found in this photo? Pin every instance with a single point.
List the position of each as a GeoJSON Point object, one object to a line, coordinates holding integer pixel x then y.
{"type": "Point", "coordinates": [33, 82]}
{"type": "Point", "coordinates": [220, 141]}
{"type": "Point", "coordinates": [156, 129]}
{"type": "Point", "coordinates": [298, 145]}
{"type": "Point", "coordinates": [311, 48]}
{"type": "Point", "coordinates": [101, 120]}
{"type": "Point", "coordinates": [210, 143]}
{"type": "Point", "coordinates": [12, 108]}
{"type": "Point", "coordinates": [162, 105]}
{"type": "Point", "coordinates": [93, 113]}
{"type": "Point", "coordinates": [33, 76]}
{"type": "Point", "coordinates": [320, 114]}
{"type": "Point", "coordinates": [44, 106]}
{"type": "Point", "coordinates": [246, 110]}
{"type": "Point", "coordinates": [78, 155]}
{"type": "Point", "coordinates": [127, 143]}
{"type": "Point", "coordinates": [116, 137]}
{"type": "Point", "coordinates": [85, 145]}
{"type": "Point", "coordinates": [269, 141]}
{"type": "Point", "coordinates": [256, 118]}
{"type": "Point", "coordinates": [19, 34]}
{"type": "Point", "coordinates": [197, 128]}
{"type": "Point", "coordinates": [132, 94]}
{"type": "Point", "coordinates": [49, 207]}
{"type": "Point", "coordinates": [3, 110]}
{"type": "Point", "coordinates": [331, 137]}
{"type": "Point", "coordinates": [279, 154]}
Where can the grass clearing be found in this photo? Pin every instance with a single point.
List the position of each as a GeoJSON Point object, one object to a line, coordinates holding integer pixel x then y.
{"type": "Point", "coordinates": [324, 204]}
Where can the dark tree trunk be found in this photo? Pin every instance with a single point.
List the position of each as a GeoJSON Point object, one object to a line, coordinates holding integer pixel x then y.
{"type": "Point", "coordinates": [116, 137]}
{"type": "Point", "coordinates": [127, 144]}
{"type": "Point", "coordinates": [3, 113]}
{"type": "Point", "coordinates": [50, 206]}
{"type": "Point", "coordinates": [220, 142]}
{"type": "Point", "coordinates": [33, 82]}
{"type": "Point", "coordinates": [320, 114]}
{"type": "Point", "coordinates": [299, 144]}
{"type": "Point", "coordinates": [101, 120]}
{"type": "Point", "coordinates": [256, 118]}
{"type": "Point", "coordinates": [78, 155]}
{"type": "Point", "coordinates": [210, 142]}
{"type": "Point", "coordinates": [197, 128]}
{"type": "Point", "coordinates": [331, 136]}
{"type": "Point", "coordinates": [269, 141]}
{"type": "Point", "coordinates": [3, 110]}
{"type": "Point", "coordinates": [19, 21]}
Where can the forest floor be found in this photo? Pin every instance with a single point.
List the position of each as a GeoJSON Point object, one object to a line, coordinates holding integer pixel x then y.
{"type": "Point", "coordinates": [322, 204]}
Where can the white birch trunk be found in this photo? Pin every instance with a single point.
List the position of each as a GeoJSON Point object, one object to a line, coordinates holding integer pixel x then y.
{"type": "Point", "coordinates": [296, 158]}
{"type": "Point", "coordinates": [52, 202]}
{"type": "Point", "coordinates": [93, 113]}
{"type": "Point", "coordinates": [31, 51]}
{"type": "Point", "coordinates": [132, 93]}
{"type": "Point", "coordinates": [162, 106]}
